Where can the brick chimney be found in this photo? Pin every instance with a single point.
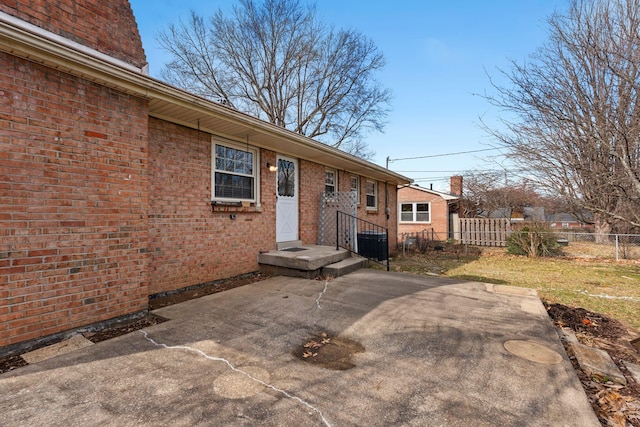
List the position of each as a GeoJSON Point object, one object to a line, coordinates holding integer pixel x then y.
{"type": "Point", "coordinates": [106, 26]}
{"type": "Point", "coordinates": [456, 186]}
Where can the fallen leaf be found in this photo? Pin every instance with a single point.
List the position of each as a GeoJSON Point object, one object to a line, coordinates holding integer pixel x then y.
{"type": "Point", "coordinates": [326, 340]}
{"type": "Point", "coordinates": [307, 354]}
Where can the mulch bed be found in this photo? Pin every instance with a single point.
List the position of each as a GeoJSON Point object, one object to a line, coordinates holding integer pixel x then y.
{"type": "Point", "coordinates": [614, 404]}
{"type": "Point", "coordinates": [164, 300]}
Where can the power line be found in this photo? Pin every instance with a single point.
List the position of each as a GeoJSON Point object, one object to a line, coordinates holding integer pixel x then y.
{"type": "Point", "coordinates": [454, 171]}
{"type": "Point", "coordinates": [470, 171]}
{"type": "Point", "coordinates": [445, 154]}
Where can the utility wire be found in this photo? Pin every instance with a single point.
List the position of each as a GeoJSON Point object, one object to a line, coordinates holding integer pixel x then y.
{"type": "Point", "coordinates": [445, 154]}
{"type": "Point", "coordinates": [469, 172]}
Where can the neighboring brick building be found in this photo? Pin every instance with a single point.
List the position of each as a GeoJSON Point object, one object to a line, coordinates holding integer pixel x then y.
{"type": "Point", "coordinates": [116, 186]}
{"type": "Point", "coordinates": [429, 211]}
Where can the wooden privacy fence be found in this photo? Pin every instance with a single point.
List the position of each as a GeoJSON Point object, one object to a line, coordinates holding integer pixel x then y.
{"type": "Point", "coordinates": [484, 231]}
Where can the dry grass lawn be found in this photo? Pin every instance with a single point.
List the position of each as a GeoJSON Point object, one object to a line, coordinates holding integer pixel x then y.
{"type": "Point", "coordinates": [600, 285]}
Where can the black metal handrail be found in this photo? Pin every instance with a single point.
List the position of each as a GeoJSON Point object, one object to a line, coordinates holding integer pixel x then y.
{"type": "Point", "coordinates": [365, 238]}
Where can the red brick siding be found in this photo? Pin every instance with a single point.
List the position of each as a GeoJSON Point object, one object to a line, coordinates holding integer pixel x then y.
{"type": "Point", "coordinates": [312, 185]}
{"type": "Point", "coordinates": [377, 216]}
{"type": "Point", "coordinates": [73, 202]}
{"type": "Point", "coordinates": [189, 244]}
{"type": "Point", "coordinates": [311, 176]}
{"type": "Point", "coordinates": [439, 213]}
{"type": "Point", "coordinates": [106, 26]}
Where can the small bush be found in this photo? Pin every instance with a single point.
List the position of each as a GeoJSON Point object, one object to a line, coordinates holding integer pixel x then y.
{"type": "Point", "coordinates": [533, 241]}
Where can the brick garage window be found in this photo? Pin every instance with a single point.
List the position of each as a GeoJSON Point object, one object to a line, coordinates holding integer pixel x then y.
{"type": "Point", "coordinates": [372, 195]}
{"type": "Point", "coordinates": [415, 212]}
{"type": "Point", "coordinates": [235, 171]}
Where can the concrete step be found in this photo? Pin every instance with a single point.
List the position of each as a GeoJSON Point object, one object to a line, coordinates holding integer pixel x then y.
{"type": "Point", "coordinates": [345, 266]}
{"type": "Point", "coordinates": [304, 261]}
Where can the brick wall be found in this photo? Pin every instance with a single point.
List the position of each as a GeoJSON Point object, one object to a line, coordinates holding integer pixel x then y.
{"type": "Point", "coordinates": [311, 177]}
{"type": "Point", "coordinates": [106, 26]}
{"type": "Point", "coordinates": [73, 202]}
{"type": "Point", "coordinates": [377, 216]}
{"type": "Point", "coordinates": [189, 244]}
{"type": "Point", "coordinates": [439, 212]}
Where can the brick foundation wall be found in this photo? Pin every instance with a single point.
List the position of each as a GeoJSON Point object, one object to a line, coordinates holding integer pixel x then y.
{"type": "Point", "coordinates": [106, 26]}
{"type": "Point", "coordinates": [188, 243]}
{"type": "Point", "coordinates": [73, 202]}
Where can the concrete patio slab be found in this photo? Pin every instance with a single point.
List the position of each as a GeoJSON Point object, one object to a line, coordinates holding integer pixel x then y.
{"type": "Point", "coordinates": [434, 355]}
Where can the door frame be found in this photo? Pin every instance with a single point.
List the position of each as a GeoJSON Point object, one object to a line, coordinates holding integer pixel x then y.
{"type": "Point", "coordinates": [296, 200]}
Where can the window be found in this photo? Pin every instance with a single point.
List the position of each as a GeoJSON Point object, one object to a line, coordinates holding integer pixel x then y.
{"type": "Point", "coordinates": [372, 195]}
{"type": "Point", "coordinates": [414, 212]}
{"type": "Point", "coordinates": [234, 175]}
{"type": "Point", "coordinates": [330, 181]}
{"type": "Point", "coordinates": [355, 186]}
{"type": "Point", "coordinates": [286, 178]}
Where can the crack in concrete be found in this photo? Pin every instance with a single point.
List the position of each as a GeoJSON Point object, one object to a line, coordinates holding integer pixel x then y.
{"type": "Point", "coordinates": [326, 283]}
{"type": "Point", "coordinates": [240, 371]}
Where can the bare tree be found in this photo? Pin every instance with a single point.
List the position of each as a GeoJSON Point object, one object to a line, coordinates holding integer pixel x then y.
{"type": "Point", "coordinates": [490, 192]}
{"type": "Point", "coordinates": [576, 110]}
{"type": "Point", "coordinates": [275, 61]}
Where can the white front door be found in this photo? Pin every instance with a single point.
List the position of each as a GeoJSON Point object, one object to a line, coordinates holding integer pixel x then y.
{"type": "Point", "coordinates": [287, 200]}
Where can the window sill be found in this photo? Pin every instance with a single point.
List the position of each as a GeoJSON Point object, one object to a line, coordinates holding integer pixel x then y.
{"type": "Point", "coordinates": [235, 207]}
{"type": "Point", "coordinates": [372, 211]}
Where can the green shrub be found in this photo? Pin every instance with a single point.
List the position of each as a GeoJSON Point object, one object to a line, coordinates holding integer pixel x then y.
{"type": "Point", "coordinates": [534, 241]}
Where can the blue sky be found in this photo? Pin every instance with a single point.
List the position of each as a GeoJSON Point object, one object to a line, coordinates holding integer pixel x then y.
{"type": "Point", "coordinates": [438, 55]}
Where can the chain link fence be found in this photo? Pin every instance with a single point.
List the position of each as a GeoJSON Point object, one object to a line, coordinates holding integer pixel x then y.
{"type": "Point", "coordinates": [592, 245]}
{"type": "Point", "coordinates": [574, 243]}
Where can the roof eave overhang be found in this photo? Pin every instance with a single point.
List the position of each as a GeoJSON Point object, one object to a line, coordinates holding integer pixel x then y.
{"type": "Point", "coordinates": [445, 196]}
{"type": "Point", "coordinates": [178, 106]}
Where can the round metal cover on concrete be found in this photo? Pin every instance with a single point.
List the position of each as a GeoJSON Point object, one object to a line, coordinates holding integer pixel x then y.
{"type": "Point", "coordinates": [237, 385]}
{"type": "Point", "coordinates": [533, 351]}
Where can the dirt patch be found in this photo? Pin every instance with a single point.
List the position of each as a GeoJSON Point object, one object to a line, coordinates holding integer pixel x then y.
{"type": "Point", "coordinates": [615, 405]}
{"type": "Point", "coordinates": [11, 362]}
{"type": "Point", "coordinates": [583, 321]}
{"type": "Point", "coordinates": [149, 319]}
{"type": "Point", "coordinates": [329, 352]}
{"type": "Point", "coordinates": [159, 301]}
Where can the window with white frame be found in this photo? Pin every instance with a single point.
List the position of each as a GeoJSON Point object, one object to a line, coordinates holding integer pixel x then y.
{"type": "Point", "coordinates": [415, 212]}
{"type": "Point", "coordinates": [330, 181]}
{"type": "Point", "coordinates": [372, 194]}
{"type": "Point", "coordinates": [235, 173]}
{"type": "Point", "coordinates": [355, 186]}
